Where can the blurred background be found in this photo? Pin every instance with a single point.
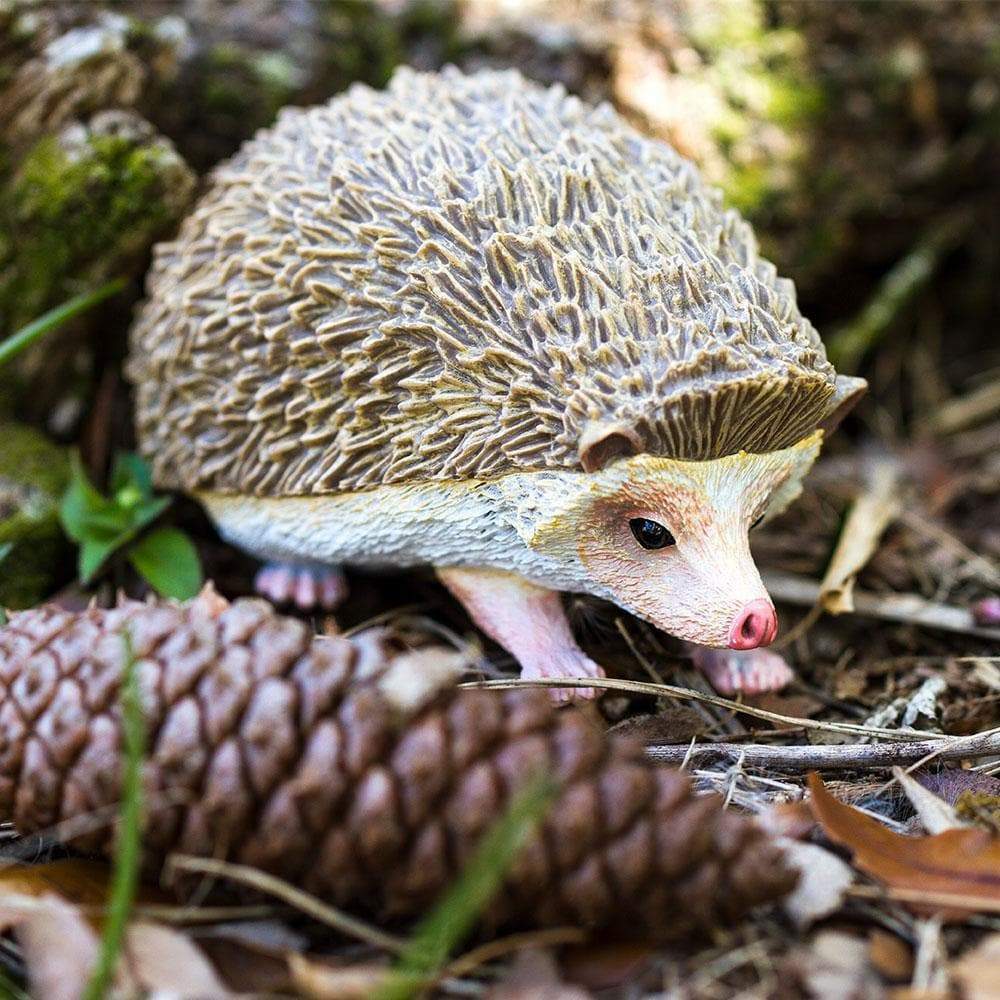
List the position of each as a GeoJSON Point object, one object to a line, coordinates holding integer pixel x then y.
{"type": "Point", "coordinates": [862, 140]}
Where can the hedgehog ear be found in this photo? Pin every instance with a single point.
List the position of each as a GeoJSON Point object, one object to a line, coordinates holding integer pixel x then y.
{"type": "Point", "coordinates": [847, 391]}
{"type": "Point", "coordinates": [602, 443]}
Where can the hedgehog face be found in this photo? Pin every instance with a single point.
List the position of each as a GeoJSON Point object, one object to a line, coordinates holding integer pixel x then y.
{"type": "Point", "coordinates": [668, 540]}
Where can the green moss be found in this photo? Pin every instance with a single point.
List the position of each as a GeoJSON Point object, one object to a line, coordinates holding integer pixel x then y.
{"type": "Point", "coordinates": [78, 211]}
{"type": "Point", "coordinates": [33, 475]}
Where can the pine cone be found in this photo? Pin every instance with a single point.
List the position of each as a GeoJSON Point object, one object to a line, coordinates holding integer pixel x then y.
{"type": "Point", "coordinates": [329, 762]}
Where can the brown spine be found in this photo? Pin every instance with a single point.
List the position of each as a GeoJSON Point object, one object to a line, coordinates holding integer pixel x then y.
{"type": "Point", "coordinates": [286, 751]}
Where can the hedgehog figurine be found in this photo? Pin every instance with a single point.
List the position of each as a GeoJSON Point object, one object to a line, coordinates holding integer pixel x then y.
{"type": "Point", "coordinates": [474, 323]}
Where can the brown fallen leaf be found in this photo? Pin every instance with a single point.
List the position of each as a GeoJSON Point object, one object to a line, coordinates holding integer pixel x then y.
{"type": "Point", "coordinates": [870, 515]}
{"type": "Point", "coordinates": [890, 956]}
{"type": "Point", "coordinates": [74, 880]}
{"type": "Point", "coordinates": [963, 865]}
{"type": "Point", "coordinates": [605, 966]}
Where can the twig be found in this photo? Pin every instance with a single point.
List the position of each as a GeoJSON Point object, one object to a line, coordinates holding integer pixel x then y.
{"type": "Point", "coordinates": [801, 758]}
{"type": "Point", "coordinates": [489, 951]}
{"type": "Point", "coordinates": [288, 893]}
{"type": "Point", "coordinates": [670, 691]}
{"type": "Point", "coordinates": [907, 608]}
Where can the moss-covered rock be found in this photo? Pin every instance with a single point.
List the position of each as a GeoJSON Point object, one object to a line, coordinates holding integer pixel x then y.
{"type": "Point", "coordinates": [33, 475]}
{"type": "Point", "coordinates": [82, 206]}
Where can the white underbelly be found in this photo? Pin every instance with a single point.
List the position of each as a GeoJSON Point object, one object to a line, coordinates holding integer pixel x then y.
{"type": "Point", "coordinates": [389, 527]}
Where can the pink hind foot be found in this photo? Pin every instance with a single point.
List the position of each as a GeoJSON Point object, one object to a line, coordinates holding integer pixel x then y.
{"type": "Point", "coordinates": [752, 671]}
{"type": "Point", "coordinates": [308, 587]}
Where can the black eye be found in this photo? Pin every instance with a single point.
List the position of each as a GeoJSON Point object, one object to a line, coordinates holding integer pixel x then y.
{"type": "Point", "coordinates": [650, 534]}
{"type": "Point", "coordinates": [757, 523]}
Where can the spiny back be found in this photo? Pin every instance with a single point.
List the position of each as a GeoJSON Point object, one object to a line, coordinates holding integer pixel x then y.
{"type": "Point", "coordinates": [456, 278]}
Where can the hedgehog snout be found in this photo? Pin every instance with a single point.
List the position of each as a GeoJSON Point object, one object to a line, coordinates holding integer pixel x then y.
{"type": "Point", "coordinates": [756, 625]}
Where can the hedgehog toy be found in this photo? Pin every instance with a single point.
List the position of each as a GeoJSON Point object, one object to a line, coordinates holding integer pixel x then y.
{"type": "Point", "coordinates": [474, 323]}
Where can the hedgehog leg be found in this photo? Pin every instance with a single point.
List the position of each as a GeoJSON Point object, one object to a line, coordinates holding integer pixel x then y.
{"type": "Point", "coordinates": [528, 621]}
{"type": "Point", "coordinates": [309, 586]}
{"type": "Point", "coordinates": [751, 671]}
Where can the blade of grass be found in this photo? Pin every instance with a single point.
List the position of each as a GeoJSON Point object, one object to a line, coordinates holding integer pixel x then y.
{"type": "Point", "coordinates": [9, 990]}
{"type": "Point", "coordinates": [54, 318]}
{"type": "Point", "coordinates": [426, 955]}
{"type": "Point", "coordinates": [125, 879]}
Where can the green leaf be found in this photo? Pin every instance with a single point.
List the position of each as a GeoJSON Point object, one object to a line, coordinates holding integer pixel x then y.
{"type": "Point", "coordinates": [83, 510]}
{"type": "Point", "coordinates": [131, 475]}
{"type": "Point", "coordinates": [99, 525]}
{"type": "Point", "coordinates": [453, 917]}
{"type": "Point", "coordinates": [168, 562]}
{"type": "Point", "coordinates": [55, 318]}
{"type": "Point", "coordinates": [94, 552]}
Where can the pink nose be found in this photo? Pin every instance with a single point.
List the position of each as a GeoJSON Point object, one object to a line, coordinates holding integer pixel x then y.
{"type": "Point", "coordinates": [756, 625]}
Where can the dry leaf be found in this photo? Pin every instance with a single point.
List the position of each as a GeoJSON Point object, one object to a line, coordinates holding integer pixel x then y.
{"type": "Point", "coordinates": [246, 970]}
{"type": "Point", "coordinates": [891, 956]}
{"type": "Point", "coordinates": [322, 981]}
{"type": "Point", "coordinates": [823, 880]}
{"type": "Point", "coordinates": [835, 967]}
{"type": "Point", "coordinates": [43, 903]}
{"type": "Point", "coordinates": [59, 946]}
{"type": "Point", "coordinates": [964, 864]}
{"type": "Point", "coordinates": [162, 959]}
{"type": "Point", "coordinates": [935, 814]}
{"type": "Point", "coordinates": [870, 515]}
{"type": "Point", "coordinates": [534, 975]}
{"type": "Point", "coordinates": [604, 966]}
{"type": "Point", "coordinates": [84, 883]}
{"type": "Point", "coordinates": [788, 819]}
{"type": "Point", "coordinates": [953, 782]}
{"type": "Point", "coordinates": [978, 970]}
{"type": "Point", "coordinates": [675, 724]}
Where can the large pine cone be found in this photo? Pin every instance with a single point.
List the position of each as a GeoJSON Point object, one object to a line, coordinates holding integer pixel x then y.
{"type": "Point", "coordinates": [322, 761]}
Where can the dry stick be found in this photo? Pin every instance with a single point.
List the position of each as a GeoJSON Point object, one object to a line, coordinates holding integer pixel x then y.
{"type": "Point", "coordinates": [686, 694]}
{"type": "Point", "coordinates": [907, 608]}
{"type": "Point", "coordinates": [803, 758]}
{"type": "Point", "coordinates": [288, 893]}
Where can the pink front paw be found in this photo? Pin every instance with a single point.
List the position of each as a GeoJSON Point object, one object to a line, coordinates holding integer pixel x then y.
{"type": "Point", "coordinates": [752, 671]}
{"type": "Point", "coordinates": [563, 663]}
{"type": "Point", "coordinates": [309, 588]}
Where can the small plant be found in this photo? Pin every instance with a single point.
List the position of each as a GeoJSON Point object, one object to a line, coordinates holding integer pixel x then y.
{"type": "Point", "coordinates": [103, 525]}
